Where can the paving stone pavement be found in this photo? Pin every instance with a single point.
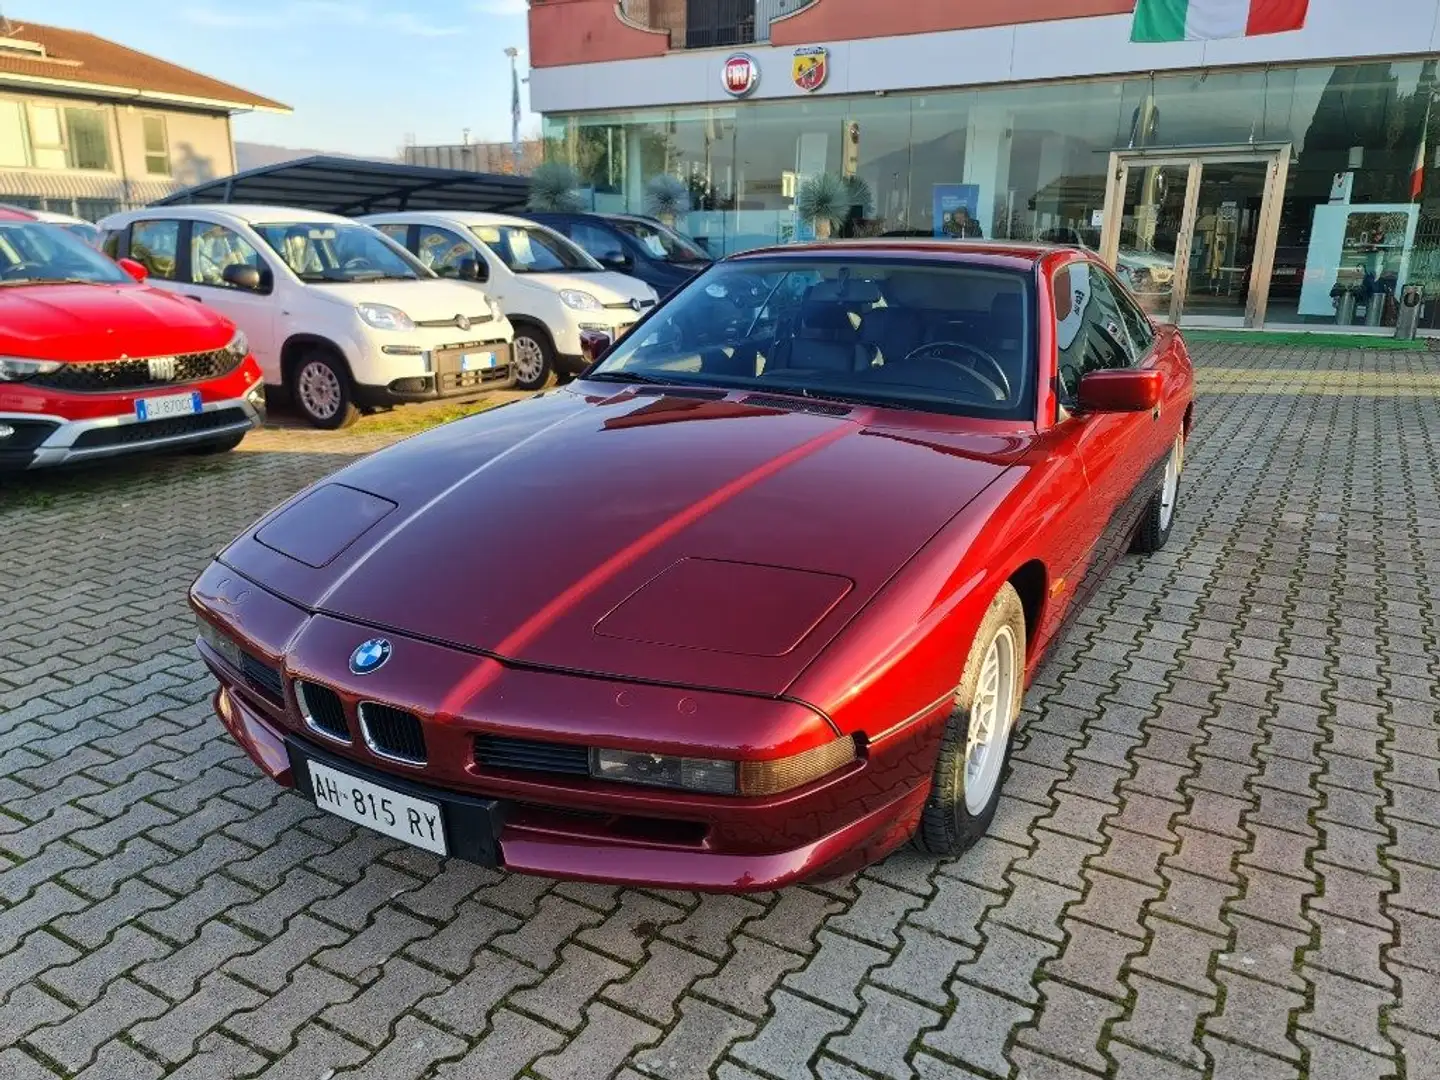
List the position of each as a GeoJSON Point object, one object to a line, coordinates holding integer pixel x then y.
{"type": "Point", "coordinates": [1218, 854]}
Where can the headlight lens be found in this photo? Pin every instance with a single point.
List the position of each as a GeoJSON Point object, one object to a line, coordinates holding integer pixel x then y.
{"type": "Point", "coordinates": [385, 317]}
{"type": "Point", "coordinates": [239, 346]}
{"type": "Point", "coordinates": [708, 775]}
{"type": "Point", "coordinates": [16, 369]}
{"type": "Point", "coordinates": [227, 649]}
{"type": "Point", "coordinates": [581, 301]}
{"type": "Point", "coordinates": [714, 776]}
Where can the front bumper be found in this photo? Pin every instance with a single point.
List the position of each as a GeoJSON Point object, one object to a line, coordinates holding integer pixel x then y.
{"type": "Point", "coordinates": [46, 440]}
{"type": "Point", "coordinates": [440, 374]}
{"type": "Point", "coordinates": [554, 823]}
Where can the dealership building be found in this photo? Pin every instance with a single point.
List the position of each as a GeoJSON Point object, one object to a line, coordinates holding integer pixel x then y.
{"type": "Point", "coordinates": [1242, 162]}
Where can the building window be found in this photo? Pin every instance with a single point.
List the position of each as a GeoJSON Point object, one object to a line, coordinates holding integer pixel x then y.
{"type": "Point", "coordinates": [12, 135]}
{"type": "Point", "coordinates": [157, 148]}
{"type": "Point", "coordinates": [89, 144]}
{"type": "Point", "coordinates": [47, 137]}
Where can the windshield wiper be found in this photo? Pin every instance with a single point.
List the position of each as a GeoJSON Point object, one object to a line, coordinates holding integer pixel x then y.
{"type": "Point", "coordinates": [55, 281]}
{"type": "Point", "coordinates": [840, 397]}
{"type": "Point", "coordinates": [636, 377]}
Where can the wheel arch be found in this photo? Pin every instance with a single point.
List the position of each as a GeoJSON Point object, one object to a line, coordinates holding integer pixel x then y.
{"type": "Point", "coordinates": [1031, 582]}
{"type": "Point", "coordinates": [297, 345]}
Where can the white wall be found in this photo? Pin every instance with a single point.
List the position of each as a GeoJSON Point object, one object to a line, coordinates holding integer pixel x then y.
{"type": "Point", "coordinates": [1071, 48]}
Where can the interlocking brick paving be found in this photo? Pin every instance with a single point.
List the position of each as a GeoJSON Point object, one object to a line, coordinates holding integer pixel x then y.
{"type": "Point", "coordinates": [1218, 854]}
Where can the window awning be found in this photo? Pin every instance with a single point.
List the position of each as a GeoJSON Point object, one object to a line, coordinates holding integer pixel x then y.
{"type": "Point", "coordinates": [47, 184]}
{"type": "Point", "coordinates": [339, 185]}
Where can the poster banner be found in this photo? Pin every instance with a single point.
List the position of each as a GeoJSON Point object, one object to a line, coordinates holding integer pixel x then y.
{"type": "Point", "coordinates": [956, 208]}
{"type": "Point", "coordinates": [1364, 249]}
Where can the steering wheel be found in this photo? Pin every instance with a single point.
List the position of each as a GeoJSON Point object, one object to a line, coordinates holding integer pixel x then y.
{"type": "Point", "coordinates": [15, 269]}
{"type": "Point", "coordinates": [999, 386]}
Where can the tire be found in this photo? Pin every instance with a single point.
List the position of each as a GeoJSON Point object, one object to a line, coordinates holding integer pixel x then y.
{"type": "Point", "coordinates": [534, 357]}
{"type": "Point", "coordinates": [220, 446]}
{"type": "Point", "coordinates": [962, 804]}
{"type": "Point", "coordinates": [319, 386]}
{"type": "Point", "coordinates": [563, 377]}
{"type": "Point", "coordinates": [1154, 529]}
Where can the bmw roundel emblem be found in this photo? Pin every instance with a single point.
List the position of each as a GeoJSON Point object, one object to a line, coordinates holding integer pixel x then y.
{"type": "Point", "coordinates": [370, 656]}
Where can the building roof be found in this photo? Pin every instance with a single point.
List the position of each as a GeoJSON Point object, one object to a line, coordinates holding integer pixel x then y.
{"type": "Point", "coordinates": [351, 186]}
{"type": "Point", "coordinates": [72, 59]}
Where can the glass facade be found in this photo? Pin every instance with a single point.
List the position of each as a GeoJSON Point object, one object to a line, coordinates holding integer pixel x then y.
{"type": "Point", "coordinates": [1031, 162]}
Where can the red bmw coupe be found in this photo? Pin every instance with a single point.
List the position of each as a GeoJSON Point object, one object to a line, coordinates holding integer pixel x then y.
{"type": "Point", "coordinates": [752, 601]}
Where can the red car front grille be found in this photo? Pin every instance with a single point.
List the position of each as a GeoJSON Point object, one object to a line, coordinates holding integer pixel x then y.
{"type": "Point", "coordinates": [121, 375]}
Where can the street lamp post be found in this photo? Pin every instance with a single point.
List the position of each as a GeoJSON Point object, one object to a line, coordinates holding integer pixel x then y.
{"type": "Point", "coordinates": [513, 53]}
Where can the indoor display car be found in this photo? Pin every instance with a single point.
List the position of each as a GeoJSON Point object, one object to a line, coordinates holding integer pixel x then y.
{"type": "Point", "coordinates": [550, 289]}
{"type": "Point", "coordinates": [93, 363]}
{"type": "Point", "coordinates": [339, 315]}
{"type": "Point", "coordinates": [754, 600]}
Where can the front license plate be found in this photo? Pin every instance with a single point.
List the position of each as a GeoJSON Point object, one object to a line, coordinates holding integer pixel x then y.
{"type": "Point", "coordinates": [477, 361]}
{"type": "Point", "coordinates": [414, 821]}
{"type": "Point", "coordinates": [158, 408]}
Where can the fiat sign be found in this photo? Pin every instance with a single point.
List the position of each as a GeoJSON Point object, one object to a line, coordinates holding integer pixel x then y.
{"type": "Point", "coordinates": [740, 75]}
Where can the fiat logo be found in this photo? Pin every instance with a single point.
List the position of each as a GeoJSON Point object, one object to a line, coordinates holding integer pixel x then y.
{"type": "Point", "coordinates": [162, 368]}
{"type": "Point", "coordinates": [462, 322]}
{"type": "Point", "coordinates": [740, 75]}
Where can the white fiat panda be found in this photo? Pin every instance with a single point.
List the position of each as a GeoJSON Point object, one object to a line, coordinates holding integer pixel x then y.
{"type": "Point", "coordinates": [336, 313]}
{"type": "Point", "coordinates": [548, 286]}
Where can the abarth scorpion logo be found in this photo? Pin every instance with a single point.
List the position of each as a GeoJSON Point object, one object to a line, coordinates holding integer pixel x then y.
{"type": "Point", "coordinates": [370, 656]}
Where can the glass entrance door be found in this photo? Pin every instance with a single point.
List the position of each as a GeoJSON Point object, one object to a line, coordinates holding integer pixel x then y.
{"type": "Point", "coordinates": [1194, 235]}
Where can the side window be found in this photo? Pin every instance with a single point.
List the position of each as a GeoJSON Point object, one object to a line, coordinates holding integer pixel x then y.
{"type": "Point", "coordinates": [1089, 331]}
{"type": "Point", "coordinates": [110, 245]}
{"type": "Point", "coordinates": [213, 248]}
{"type": "Point", "coordinates": [398, 233]}
{"type": "Point", "coordinates": [1142, 333]}
{"type": "Point", "coordinates": [442, 251]}
{"type": "Point", "coordinates": [599, 242]}
{"type": "Point", "coordinates": [153, 244]}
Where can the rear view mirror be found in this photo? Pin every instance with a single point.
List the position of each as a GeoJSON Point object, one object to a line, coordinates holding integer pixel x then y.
{"type": "Point", "coordinates": [1117, 390]}
{"type": "Point", "coordinates": [469, 269]}
{"type": "Point", "coordinates": [134, 269]}
{"type": "Point", "coordinates": [618, 260]}
{"type": "Point", "coordinates": [242, 276]}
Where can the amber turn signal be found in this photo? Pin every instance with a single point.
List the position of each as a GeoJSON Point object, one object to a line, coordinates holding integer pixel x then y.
{"type": "Point", "coordinates": [782, 774]}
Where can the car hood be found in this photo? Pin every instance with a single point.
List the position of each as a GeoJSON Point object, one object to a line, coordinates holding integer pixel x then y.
{"type": "Point", "coordinates": [88, 323]}
{"type": "Point", "coordinates": [424, 300]}
{"type": "Point", "coordinates": [1149, 260]}
{"type": "Point", "coordinates": [629, 534]}
{"type": "Point", "coordinates": [608, 287]}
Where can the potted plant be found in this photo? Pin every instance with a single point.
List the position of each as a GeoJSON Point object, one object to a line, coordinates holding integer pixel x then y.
{"type": "Point", "coordinates": [666, 198]}
{"type": "Point", "coordinates": [552, 187]}
{"type": "Point", "coordinates": [827, 200]}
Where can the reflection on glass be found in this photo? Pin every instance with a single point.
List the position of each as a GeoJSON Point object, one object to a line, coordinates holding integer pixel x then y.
{"type": "Point", "coordinates": [1149, 231]}
{"type": "Point", "coordinates": [1222, 251]}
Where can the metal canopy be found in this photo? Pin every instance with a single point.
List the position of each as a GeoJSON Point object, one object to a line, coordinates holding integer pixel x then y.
{"type": "Point", "coordinates": [340, 185]}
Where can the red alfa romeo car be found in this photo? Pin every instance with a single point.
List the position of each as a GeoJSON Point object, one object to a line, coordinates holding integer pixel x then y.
{"type": "Point", "coordinates": [93, 363]}
{"type": "Point", "coordinates": [754, 600]}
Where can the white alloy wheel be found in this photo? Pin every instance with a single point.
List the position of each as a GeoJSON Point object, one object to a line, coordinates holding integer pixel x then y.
{"type": "Point", "coordinates": [529, 359]}
{"type": "Point", "coordinates": [991, 715]}
{"type": "Point", "coordinates": [319, 388]}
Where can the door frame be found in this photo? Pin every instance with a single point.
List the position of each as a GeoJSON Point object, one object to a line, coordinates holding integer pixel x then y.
{"type": "Point", "coordinates": [1194, 159]}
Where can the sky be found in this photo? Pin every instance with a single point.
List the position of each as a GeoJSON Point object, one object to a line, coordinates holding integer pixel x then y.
{"type": "Point", "coordinates": [361, 75]}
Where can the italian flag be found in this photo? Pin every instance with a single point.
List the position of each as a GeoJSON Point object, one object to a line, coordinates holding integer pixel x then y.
{"type": "Point", "coordinates": [1206, 20]}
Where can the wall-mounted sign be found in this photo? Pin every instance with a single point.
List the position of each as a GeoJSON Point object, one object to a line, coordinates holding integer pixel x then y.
{"type": "Point", "coordinates": [811, 68]}
{"type": "Point", "coordinates": [740, 75]}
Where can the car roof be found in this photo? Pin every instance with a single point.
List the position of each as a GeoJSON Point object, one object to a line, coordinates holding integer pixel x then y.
{"type": "Point", "coordinates": [465, 217]}
{"type": "Point", "coordinates": [250, 213]}
{"type": "Point", "coordinates": [17, 213]}
{"type": "Point", "coordinates": [1018, 255]}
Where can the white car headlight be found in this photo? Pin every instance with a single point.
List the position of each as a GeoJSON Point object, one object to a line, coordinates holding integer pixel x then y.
{"type": "Point", "coordinates": [581, 301]}
{"type": "Point", "coordinates": [385, 317]}
{"type": "Point", "coordinates": [239, 346]}
{"type": "Point", "coordinates": [18, 369]}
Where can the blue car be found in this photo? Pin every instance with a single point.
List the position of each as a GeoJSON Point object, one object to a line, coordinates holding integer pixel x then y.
{"type": "Point", "coordinates": [638, 246]}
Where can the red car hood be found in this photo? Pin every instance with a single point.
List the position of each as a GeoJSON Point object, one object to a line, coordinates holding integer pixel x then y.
{"type": "Point", "coordinates": [700, 543]}
{"type": "Point", "coordinates": [85, 323]}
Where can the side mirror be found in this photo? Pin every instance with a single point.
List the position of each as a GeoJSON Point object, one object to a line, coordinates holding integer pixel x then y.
{"type": "Point", "coordinates": [469, 269]}
{"type": "Point", "coordinates": [1118, 390]}
{"type": "Point", "coordinates": [134, 269]}
{"type": "Point", "coordinates": [242, 276]}
{"type": "Point", "coordinates": [593, 344]}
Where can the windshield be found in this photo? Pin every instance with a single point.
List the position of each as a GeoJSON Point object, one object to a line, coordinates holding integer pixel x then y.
{"type": "Point", "coordinates": [89, 233]}
{"type": "Point", "coordinates": [528, 249]}
{"type": "Point", "coordinates": [947, 338]}
{"type": "Point", "coordinates": [335, 252]}
{"type": "Point", "coordinates": [32, 252]}
{"type": "Point", "coordinates": [661, 242]}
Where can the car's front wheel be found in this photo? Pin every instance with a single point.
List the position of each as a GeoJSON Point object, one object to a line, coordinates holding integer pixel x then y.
{"type": "Point", "coordinates": [975, 744]}
{"type": "Point", "coordinates": [534, 357]}
{"type": "Point", "coordinates": [320, 388]}
{"type": "Point", "coordinates": [1154, 528]}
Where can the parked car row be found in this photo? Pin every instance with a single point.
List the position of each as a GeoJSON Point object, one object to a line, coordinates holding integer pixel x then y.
{"type": "Point", "coordinates": [339, 315]}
